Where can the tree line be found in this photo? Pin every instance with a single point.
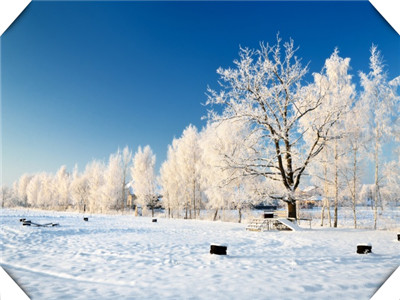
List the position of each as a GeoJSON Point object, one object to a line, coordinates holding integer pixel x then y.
{"type": "Point", "coordinates": [269, 134]}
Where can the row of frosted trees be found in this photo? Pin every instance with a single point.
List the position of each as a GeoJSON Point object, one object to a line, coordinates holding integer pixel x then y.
{"type": "Point", "coordinates": [271, 133]}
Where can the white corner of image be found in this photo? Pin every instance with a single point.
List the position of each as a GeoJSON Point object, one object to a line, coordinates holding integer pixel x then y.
{"type": "Point", "coordinates": [9, 290]}
{"type": "Point", "coordinates": [390, 290]}
{"type": "Point", "coordinates": [390, 11]}
{"type": "Point", "coordinates": [9, 11]}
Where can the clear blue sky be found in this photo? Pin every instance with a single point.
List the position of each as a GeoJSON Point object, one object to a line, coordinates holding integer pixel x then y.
{"type": "Point", "coordinates": [80, 79]}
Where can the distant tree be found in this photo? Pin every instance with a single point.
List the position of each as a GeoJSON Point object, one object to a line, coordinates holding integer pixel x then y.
{"type": "Point", "coordinates": [8, 198]}
{"type": "Point", "coordinates": [391, 173]}
{"type": "Point", "coordinates": [112, 194]}
{"type": "Point", "coordinates": [126, 159]}
{"type": "Point", "coordinates": [48, 192]}
{"type": "Point", "coordinates": [61, 187]}
{"type": "Point", "coordinates": [382, 97]}
{"type": "Point", "coordinates": [32, 191]}
{"type": "Point", "coordinates": [94, 172]}
{"type": "Point", "coordinates": [79, 190]}
{"type": "Point", "coordinates": [169, 180]}
{"type": "Point", "coordinates": [21, 188]}
{"type": "Point", "coordinates": [188, 154]}
{"type": "Point", "coordinates": [265, 89]}
{"type": "Point", "coordinates": [143, 178]}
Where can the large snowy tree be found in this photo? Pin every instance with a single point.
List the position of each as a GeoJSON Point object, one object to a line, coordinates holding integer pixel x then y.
{"type": "Point", "coordinates": [265, 89]}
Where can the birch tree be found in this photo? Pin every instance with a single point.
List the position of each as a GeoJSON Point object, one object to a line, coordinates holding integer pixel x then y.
{"type": "Point", "coordinates": [170, 182]}
{"type": "Point", "coordinates": [21, 188]}
{"type": "Point", "coordinates": [382, 97]}
{"type": "Point", "coordinates": [355, 141]}
{"type": "Point", "coordinates": [94, 172]}
{"type": "Point", "coordinates": [143, 177]}
{"type": "Point", "coordinates": [188, 158]}
{"type": "Point", "coordinates": [265, 89]}
{"type": "Point", "coordinates": [113, 178]}
{"type": "Point", "coordinates": [340, 96]}
{"type": "Point", "coordinates": [79, 190]}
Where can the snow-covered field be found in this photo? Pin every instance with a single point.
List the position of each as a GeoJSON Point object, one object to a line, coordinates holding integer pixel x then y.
{"type": "Point", "coordinates": [123, 257]}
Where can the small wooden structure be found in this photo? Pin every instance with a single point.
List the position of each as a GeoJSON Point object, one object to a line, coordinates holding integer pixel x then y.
{"type": "Point", "coordinates": [274, 220]}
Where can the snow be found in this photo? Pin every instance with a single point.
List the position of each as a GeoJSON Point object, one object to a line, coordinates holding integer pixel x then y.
{"type": "Point", "coordinates": [290, 224]}
{"type": "Point", "coordinates": [122, 256]}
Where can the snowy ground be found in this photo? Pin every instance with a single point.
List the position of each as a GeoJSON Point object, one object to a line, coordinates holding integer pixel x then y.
{"type": "Point", "coordinates": [121, 257]}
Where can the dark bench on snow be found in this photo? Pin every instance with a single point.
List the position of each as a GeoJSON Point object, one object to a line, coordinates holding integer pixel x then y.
{"type": "Point", "coordinates": [30, 223]}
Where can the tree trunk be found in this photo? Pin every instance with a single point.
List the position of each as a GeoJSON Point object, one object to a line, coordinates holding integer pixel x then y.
{"type": "Point", "coordinates": [335, 218]}
{"type": "Point", "coordinates": [194, 198]}
{"type": "Point", "coordinates": [329, 212]}
{"type": "Point", "coordinates": [325, 200]}
{"type": "Point", "coordinates": [240, 215]}
{"type": "Point", "coordinates": [354, 186]}
{"type": "Point", "coordinates": [215, 214]}
{"type": "Point", "coordinates": [376, 190]}
{"type": "Point", "coordinates": [292, 209]}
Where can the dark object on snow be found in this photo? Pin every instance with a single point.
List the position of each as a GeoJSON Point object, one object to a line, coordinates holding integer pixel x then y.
{"type": "Point", "coordinates": [30, 223]}
{"type": "Point", "coordinates": [364, 249]}
{"type": "Point", "coordinates": [398, 237]}
{"type": "Point", "coordinates": [217, 249]}
{"type": "Point", "coordinates": [154, 220]}
{"type": "Point", "coordinates": [86, 219]}
{"type": "Point", "coordinates": [22, 220]}
{"type": "Point", "coordinates": [268, 215]}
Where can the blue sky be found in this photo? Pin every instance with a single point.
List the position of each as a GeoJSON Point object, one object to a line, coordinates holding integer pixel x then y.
{"type": "Point", "coordinates": [80, 79]}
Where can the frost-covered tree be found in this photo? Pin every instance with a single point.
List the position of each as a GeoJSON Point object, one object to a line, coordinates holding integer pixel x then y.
{"type": "Point", "coordinates": [339, 98]}
{"type": "Point", "coordinates": [21, 188]}
{"type": "Point", "coordinates": [94, 172]}
{"type": "Point", "coordinates": [188, 155]}
{"type": "Point", "coordinates": [32, 191]}
{"type": "Point", "coordinates": [225, 184]}
{"type": "Point", "coordinates": [143, 177]}
{"type": "Point", "coordinates": [61, 188]}
{"type": "Point", "coordinates": [265, 89]}
{"type": "Point", "coordinates": [355, 140]}
{"type": "Point", "coordinates": [382, 97]}
{"type": "Point", "coordinates": [170, 181]}
{"type": "Point", "coordinates": [112, 194]}
{"type": "Point", "coordinates": [8, 197]}
{"type": "Point", "coordinates": [391, 174]}
{"type": "Point", "coordinates": [126, 159]}
{"type": "Point", "coordinates": [79, 190]}
{"type": "Point", "coordinates": [48, 192]}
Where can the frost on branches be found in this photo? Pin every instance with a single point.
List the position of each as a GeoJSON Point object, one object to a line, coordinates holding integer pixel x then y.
{"type": "Point", "coordinates": [265, 89]}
